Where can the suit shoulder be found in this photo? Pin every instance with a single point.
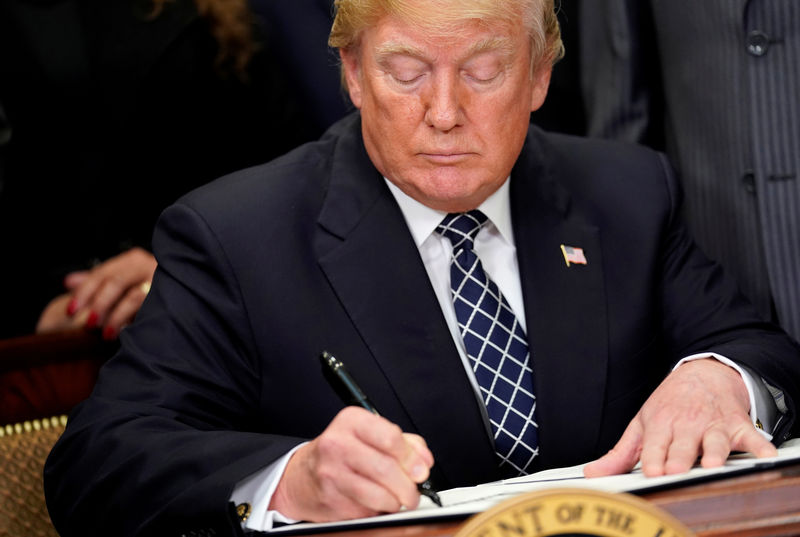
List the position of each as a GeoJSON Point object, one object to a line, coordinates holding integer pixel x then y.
{"type": "Point", "coordinates": [598, 151]}
{"type": "Point", "coordinates": [290, 178]}
{"type": "Point", "coordinates": [299, 176]}
{"type": "Point", "coordinates": [591, 163]}
{"type": "Point", "coordinates": [607, 179]}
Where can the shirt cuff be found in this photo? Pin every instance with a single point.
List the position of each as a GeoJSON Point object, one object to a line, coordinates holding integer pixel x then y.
{"type": "Point", "coordinates": [763, 410]}
{"type": "Point", "coordinates": [257, 490]}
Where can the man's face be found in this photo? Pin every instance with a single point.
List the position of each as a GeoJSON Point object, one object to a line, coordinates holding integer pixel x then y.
{"type": "Point", "coordinates": [444, 118]}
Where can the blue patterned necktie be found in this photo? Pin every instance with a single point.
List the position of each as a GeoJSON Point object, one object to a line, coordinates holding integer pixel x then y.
{"type": "Point", "coordinates": [495, 343]}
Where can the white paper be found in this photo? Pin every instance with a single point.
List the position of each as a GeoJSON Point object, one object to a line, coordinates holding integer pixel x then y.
{"type": "Point", "coordinates": [470, 500]}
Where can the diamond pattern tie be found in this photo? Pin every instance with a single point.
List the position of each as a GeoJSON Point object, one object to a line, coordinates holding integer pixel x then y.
{"type": "Point", "coordinates": [495, 343]}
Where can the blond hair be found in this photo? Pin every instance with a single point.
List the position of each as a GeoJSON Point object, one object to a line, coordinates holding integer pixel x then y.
{"type": "Point", "coordinates": [445, 17]}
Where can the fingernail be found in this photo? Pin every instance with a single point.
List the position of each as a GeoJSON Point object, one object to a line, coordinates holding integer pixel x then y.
{"type": "Point", "coordinates": [91, 322]}
{"type": "Point", "coordinates": [109, 333]}
{"type": "Point", "coordinates": [72, 307]}
{"type": "Point", "coordinates": [418, 472]}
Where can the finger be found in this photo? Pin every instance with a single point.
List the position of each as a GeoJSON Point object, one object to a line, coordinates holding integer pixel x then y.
{"type": "Point", "coordinates": [622, 457]}
{"type": "Point", "coordinates": [412, 458]}
{"type": "Point", "coordinates": [127, 269]}
{"type": "Point", "coordinates": [351, 495]}
{"type": "Point", "coordinates": [418, 459]}
{"type": "Point", "coordinates": [364, 494]}
{"type": "Point", "coordinates": [686, 445]}
{"type": "Point", "coordinates": [419, 444]}
{"type": "Point", "coordinates": [748, 439]}
{"type": "Point", "coordinates": [390, 473]}
{"type": "Point", "coordinates": [106, 297]}
{"type": "Point", "coordinates": [716, 448]}
{"type": "Point", "coordinates": [55, 317]}
{"type": "Point", "coordinates": [656, 441]}
{"type": "Point", "coordinates": [342, 457]}
{"type": "Point", "coordinates": [401, 466]}
{"type": "Point", "coordinates": [123, 312]}
{"type": "Point", "coordinates": [83, 293]}
{"type": "Point", "coordinates": [75, 279]}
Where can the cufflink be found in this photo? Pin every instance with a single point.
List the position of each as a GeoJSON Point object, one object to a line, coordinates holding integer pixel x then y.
{"type": "Point", "coordinates": [758, 424]}
{"type": "Point", "coordinates": [243, 511]}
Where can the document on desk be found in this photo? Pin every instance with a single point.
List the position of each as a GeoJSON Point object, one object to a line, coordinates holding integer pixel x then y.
{"type": "Point", "coordinates": [460, 502]}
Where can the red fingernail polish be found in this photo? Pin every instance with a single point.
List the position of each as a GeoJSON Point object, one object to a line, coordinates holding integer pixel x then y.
{"type": "Point", "coordinates": [91, 321]}
{"type": "Point", "coordinates": [109, 333]}
{"type": "Point", "coordinates": [72, 307]}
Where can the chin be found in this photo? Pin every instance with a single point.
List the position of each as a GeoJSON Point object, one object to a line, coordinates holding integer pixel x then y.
{"type": "Point", "coordinates": [458, 193]}
{"type": "Point", "coordinates": [453, 201]}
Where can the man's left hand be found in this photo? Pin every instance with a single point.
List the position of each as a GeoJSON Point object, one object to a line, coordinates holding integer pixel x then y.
{"type": "Point", "coordinates": [700, 409]}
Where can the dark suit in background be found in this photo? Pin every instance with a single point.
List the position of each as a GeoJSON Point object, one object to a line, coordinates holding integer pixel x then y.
{"type": "Point", "coordinates": [262, 270]}
{"type": "Point", "coordinates": [715, 83]}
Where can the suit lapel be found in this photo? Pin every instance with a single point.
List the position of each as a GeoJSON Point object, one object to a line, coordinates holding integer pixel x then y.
{"type": "Point", "coordinates": [377, 274]}
{"type": "Point", "coordinates": [565, 308]}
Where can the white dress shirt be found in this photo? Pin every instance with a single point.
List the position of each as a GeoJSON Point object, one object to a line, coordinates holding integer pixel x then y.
{"type": "Point", "coordinates": [494, 245]}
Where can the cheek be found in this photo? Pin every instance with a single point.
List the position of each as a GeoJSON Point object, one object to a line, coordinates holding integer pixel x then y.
{"type": "Point", "coordinates": [402, 110]}
{"type": "Point", "coordinates": [397, 118]}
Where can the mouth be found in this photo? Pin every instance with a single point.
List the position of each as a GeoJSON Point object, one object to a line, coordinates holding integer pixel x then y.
{"type": "Point", "coordinates": [446, 157]}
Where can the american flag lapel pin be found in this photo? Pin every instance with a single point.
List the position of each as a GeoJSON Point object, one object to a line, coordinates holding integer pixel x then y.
{"type": "Point", "coordinates": [573, 255]}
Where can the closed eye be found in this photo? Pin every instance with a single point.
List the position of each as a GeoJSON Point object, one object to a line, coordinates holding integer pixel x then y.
{"type": "Point", "coordinates": [406, 79]}
{"type": "Point", "coordinates": [402, 69]}
{"type": "Point", "coordinates": [484, 67]}
{"type": "Point", "coordinates": [483, 78]}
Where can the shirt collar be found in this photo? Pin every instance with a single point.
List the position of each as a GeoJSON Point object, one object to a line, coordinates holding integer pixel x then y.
{"type": "Point", "coordinates": [422, 220]}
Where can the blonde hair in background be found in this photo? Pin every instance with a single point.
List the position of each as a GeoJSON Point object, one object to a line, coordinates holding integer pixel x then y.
{"type": "Point", "coordinates": [230, 23]}
{"type": "Point", "coordinates": [444, 17]}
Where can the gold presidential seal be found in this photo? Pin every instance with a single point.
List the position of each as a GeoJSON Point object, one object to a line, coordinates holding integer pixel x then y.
{"type": "Point", "coordinates": [574, 512]}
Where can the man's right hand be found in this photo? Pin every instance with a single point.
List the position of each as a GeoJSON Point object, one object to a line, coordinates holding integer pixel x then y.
{"type": "Point", "coordinates": [361, 465]}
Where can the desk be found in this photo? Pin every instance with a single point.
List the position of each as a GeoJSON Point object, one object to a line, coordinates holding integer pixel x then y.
{"type": "Point", "coordinates": [755, 505]}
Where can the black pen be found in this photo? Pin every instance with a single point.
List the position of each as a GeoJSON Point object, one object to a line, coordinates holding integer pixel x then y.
{"type": "Point", "coordinates": [336, 367]}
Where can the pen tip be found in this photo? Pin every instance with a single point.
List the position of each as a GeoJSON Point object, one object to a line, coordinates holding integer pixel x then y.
{"type": "Point", "coordinates": [426, 489]}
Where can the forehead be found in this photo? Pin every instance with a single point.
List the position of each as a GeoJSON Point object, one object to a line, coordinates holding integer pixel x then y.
{"type": "Point", "coordinates": [395, 35]}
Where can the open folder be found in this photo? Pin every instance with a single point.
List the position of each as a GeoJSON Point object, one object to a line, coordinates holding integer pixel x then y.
{"type": "Point", "coordinates": [461, 502]}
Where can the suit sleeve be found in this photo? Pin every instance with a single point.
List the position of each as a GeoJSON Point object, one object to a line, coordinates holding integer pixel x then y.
{"type": "Point", "coordinates": [619, 71]}
{"type": "Point", "coordinates": [160, 444]}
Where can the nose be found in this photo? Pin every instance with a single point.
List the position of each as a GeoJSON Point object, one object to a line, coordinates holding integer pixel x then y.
{"type": "Point", "coordinates": [443, 109]}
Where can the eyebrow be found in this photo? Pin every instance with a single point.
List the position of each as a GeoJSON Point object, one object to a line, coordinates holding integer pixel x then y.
{"type": "Point", "coordinates": [490, 44]}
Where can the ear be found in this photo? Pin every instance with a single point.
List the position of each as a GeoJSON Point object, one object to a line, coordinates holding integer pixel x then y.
{"type": "Point", "coordinates": [541, 82]}
{"type": "Point", "coordinates": [351, 68]}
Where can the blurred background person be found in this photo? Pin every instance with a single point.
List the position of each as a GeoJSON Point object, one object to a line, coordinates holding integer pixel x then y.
{"type": "Point", "coordinates": [715, 84]}
{"type": "Point", "coordinates": [117, 108]}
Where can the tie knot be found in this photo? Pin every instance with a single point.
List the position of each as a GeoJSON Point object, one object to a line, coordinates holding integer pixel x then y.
{"type": "Point", "coordinates": [461, 228]}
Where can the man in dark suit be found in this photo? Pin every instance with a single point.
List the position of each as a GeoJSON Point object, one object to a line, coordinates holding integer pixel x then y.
{"type": "Point", "coordinates": [715, 85]}
{"type": "Point", "coordinates": [359, 244]}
